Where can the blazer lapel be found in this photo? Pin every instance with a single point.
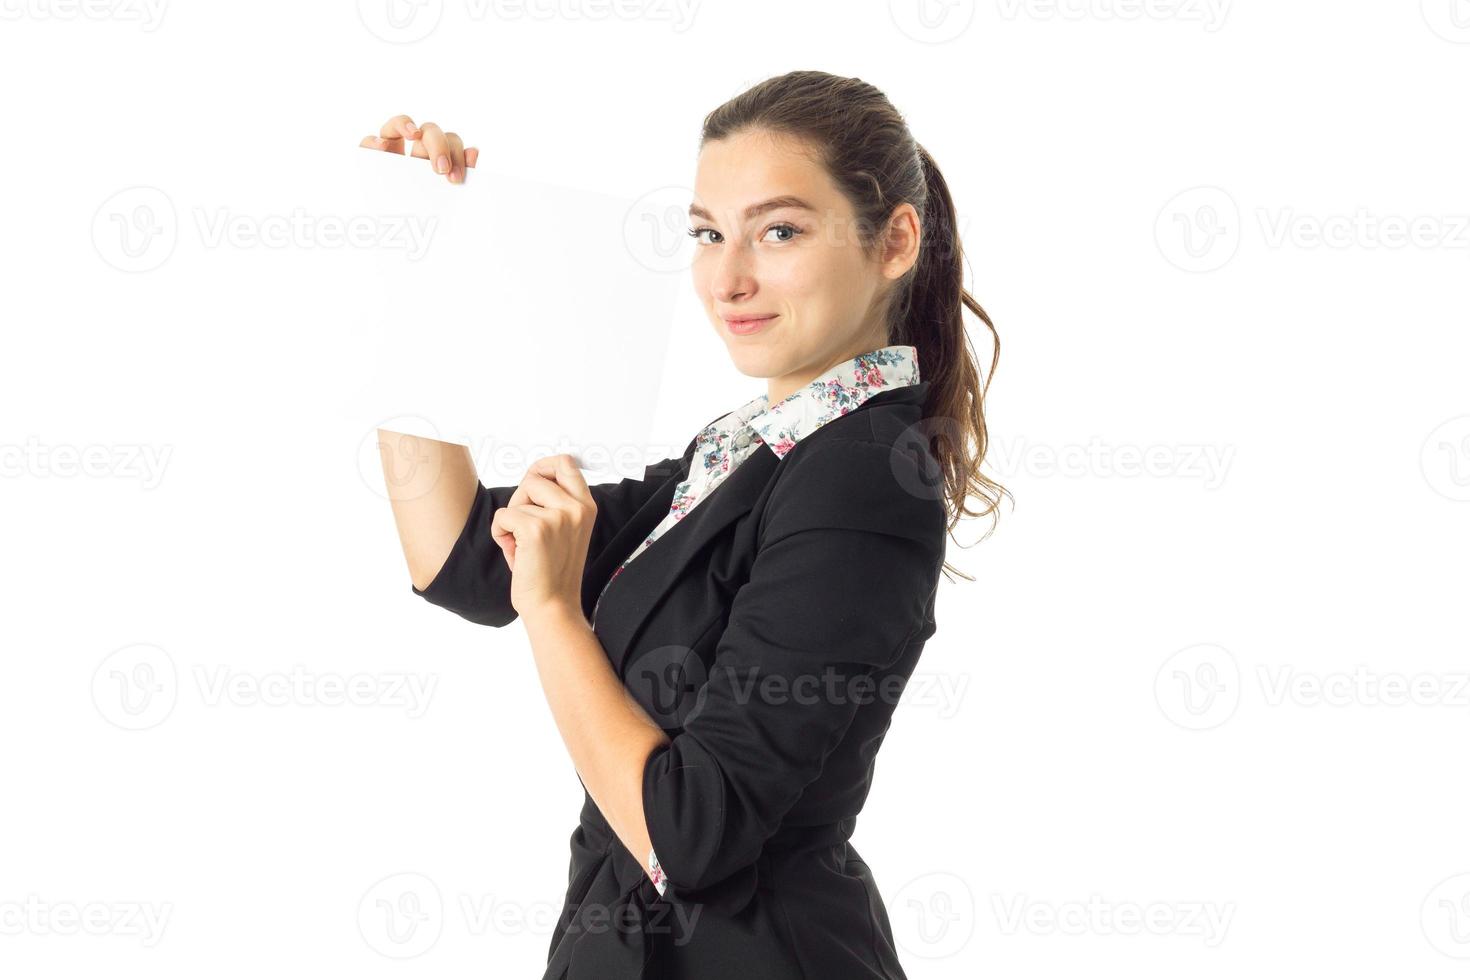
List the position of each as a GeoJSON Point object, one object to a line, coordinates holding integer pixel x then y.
{"type": "Point", "coordinates": [637, 590]}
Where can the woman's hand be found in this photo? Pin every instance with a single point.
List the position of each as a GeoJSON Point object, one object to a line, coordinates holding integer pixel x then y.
{"type": "Point", "coordinates": [446, 151]}
{"type": "Point", "coordinates": [545, 531]}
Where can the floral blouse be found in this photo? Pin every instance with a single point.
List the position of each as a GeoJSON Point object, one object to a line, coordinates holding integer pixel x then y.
{"type": "Point", "coordinates": [727, 442]}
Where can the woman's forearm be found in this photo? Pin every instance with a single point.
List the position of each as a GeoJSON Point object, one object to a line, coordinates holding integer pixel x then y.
{"type": "Point", "coordinates": [608, 735]}
{"type": "Point", "coordinates": [431, 486]}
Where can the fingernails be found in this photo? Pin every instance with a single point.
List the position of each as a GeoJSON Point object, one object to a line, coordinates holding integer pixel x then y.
{"type": "Point", "coordinates": [441, 165]}
{"type": "Point", "coordinates": [456, 175]}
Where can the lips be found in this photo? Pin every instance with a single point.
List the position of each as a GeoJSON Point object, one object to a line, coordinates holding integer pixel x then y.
{"type": "Point", "coordinates": [748, 324]}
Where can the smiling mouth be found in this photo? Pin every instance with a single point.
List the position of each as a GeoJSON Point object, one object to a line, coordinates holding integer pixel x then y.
{"type": "Point", "coordinates": [748, 325]}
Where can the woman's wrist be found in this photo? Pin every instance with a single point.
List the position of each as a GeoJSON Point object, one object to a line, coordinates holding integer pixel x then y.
{"type": "Point", "coordinates": [555, 614]}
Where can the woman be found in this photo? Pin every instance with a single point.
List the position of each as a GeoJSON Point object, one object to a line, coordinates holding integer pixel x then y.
{"type": "Point", "coordinates": [757, 603]}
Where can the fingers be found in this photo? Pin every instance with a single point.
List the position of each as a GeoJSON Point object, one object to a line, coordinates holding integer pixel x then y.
{"type": "Point", "coordinates": [456, 157]}
{"type": "Point", "coordinates": [378, 143]}
{"type": "Point", "coordinates": [518, 520]}
{"type": "Point", "coordinates": [445, 152]}
{"type": "Point", "coordinates": [552, 482]}
{"type": "Point", "coordinates": [400, 128]}
{"type": "Point", "coordinates": [545, 492]}
{"type": "Point", "coordinates": [561, 473]}
{"type": "Point", "coordinates": [435, 148]}
{"type": "Point", "coordinates": [552, 489]}
{"type": "Point", "coordinates": [393, 135]}
{"type": "Point", "coordinates": [503, 533]}
{"type": "Point", "coordinates": [563, 469]}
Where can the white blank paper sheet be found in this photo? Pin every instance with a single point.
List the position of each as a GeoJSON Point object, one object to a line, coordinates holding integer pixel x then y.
{"type": "Point", "coordinates": [510, 316]}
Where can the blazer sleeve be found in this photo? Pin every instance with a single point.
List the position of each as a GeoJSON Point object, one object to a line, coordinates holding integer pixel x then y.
{"type": "Point", "coordinates": [847, 561]}
{"type": "Point", "coordinates": [474, 581]}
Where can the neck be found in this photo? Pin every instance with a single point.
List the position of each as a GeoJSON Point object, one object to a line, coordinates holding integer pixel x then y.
{"type": "Point", "coordinates": [780, 388]}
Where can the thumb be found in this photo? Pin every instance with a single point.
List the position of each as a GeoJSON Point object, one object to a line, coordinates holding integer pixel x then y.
{"type": "Point", "coordinates": [505, 539]}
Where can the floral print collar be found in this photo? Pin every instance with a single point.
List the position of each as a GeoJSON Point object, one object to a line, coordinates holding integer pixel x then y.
{"type": "Point", "coordinates": [835, 392]}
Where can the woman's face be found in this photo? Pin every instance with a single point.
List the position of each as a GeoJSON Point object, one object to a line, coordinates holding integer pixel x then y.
{"type": "Point", "coordinates": [776, 239]}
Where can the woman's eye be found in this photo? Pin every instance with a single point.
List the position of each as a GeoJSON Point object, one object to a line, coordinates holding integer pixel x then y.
{"type": "Point", "coordinates": [791, 231]}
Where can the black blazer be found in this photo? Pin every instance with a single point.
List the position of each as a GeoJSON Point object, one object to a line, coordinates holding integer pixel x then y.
{"type": "Point", "coordinates": [770, 633]}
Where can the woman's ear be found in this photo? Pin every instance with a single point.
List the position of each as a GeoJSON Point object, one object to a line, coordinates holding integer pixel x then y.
{"type": "Point", "coordinates": [902, 239]}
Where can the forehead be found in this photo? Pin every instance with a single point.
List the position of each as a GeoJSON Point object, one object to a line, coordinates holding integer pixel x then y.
{"type": "Point", "coordinates": [751, 167]}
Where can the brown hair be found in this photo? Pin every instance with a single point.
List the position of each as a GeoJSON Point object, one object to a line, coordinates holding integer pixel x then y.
{"type": "Point", "coordinates": [867, 148]}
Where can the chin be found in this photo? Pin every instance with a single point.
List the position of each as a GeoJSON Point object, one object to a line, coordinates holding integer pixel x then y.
{"type": "Point", "coordinates": [753, 362]}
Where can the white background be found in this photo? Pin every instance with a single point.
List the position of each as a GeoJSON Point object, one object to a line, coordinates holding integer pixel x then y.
{"type": "Point", "coordinates": [1223, 692]}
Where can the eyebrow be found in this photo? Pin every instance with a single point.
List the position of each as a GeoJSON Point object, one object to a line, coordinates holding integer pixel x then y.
{"type": "Point", "coordinates": [785, 201]}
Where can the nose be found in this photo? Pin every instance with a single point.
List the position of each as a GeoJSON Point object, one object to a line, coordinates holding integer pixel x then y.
{"type": "Point", "coordinates": [734, 279]}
